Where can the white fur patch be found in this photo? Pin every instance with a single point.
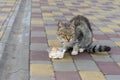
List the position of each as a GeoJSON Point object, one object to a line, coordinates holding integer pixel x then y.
{"type": "Point", "coordinates": [74, 53]}
{"type": "Point", "coordinates": [81, 50]}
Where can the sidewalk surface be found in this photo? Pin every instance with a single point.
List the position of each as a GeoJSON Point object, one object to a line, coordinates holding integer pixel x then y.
{"type": "Point", "coordinates": [105, 20]}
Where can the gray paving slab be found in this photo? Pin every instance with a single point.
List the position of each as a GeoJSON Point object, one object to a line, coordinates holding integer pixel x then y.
{"type": "Point", "coordinates": [49, 22]}
{"type": "Point", "coordinates": [64, 66]}
{"type": "Point", "coordinates": [40, 62]}
{"type": "Point", "coordinates": [112, 77]}
{"type": "Point", "coordinates": [103, 58]}
{"type": "Point", "coordinates": [51, 27]}
{"type": "Point", "coordinates": [86, 65]}
{"type": "Point", "coordinates": [115, 39]}
{"type": "Point", "coordinates": [116, 58]}
{"type": "Point", "coordinates": [37, 25]}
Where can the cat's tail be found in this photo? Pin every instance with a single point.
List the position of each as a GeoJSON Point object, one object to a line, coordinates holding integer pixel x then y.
{"type": "Point", "coordinates": [98, 48]}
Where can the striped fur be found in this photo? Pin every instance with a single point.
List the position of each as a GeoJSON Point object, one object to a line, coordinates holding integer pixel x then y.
{"type": "Point", "coordinates": [97, 48]}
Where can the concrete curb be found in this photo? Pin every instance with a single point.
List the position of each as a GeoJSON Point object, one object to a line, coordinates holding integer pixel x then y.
{"type": "Point", "coordinates": [10, 22]}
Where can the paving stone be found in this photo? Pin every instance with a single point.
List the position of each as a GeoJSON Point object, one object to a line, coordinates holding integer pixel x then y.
{"type": "Point", "coordinates": [38, 29]}
{"type": "Point", "coordinates": [115, 50]}
{"type": "Point", "coordinates": [64, 66]}
{"type": "Point", "coordinates": [113, 35]}
{"type": "Point", "coordinates": [112, 77]}
{"type": "Point", "coordinates": [38, 34]}
{"type": "Point", "coordinates": [82, 65]}
{"type": "Point", "coordinates": [40, 62]}
{"type": "Point", "coordinates": [116, 58]}
{"type": "Point", "coordinates": [91, 75]}
{"type": "Point", "coordinates": [48, 19]}
{"type": "Point", "coordinates": [52, 27]}
{"type": "Point", "coordinates": [39, 55]}
{"type": "Point", "coordinates": [51, 32]}
{"type": "Point", "coordinates": [109, 68]}
{"type": "Point", "coordinates": [82, 56]}
{"type": "Point", "coordinates": [101, 37]}
{"type": "Point", "coordinates": [41, 70]}
{"type": "Point", "coordinates": [37, 22]}
{"type": "Point", "coordinates": [102, 57]}
{"type": "Point", "coordinates": [36, 16]}
{"type": "Point", "coordinates": [38, 40]}
{"type": "Point", "coordinates": [115, 39]}
{"type": "Point", "coordinates": [47, 14]}
{"type": "Point", "coordinates": [1, 33]}
{"type": "Point", "coordinates": [117, 43]}
{"type": "Point", "coordinates": [67, 75]}
{"type": "Point", "coordinates": [42, 78]}
{"type": "Point", "coordinates": [38, 46]}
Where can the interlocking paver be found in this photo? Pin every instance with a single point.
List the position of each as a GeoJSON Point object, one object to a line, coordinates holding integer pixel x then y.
{"type": "Point", "coordinates": [39, 55]}
{"type": "Point", "coordinates": [82, 65]}
{"type": "Point", "coordinates": [102, 57]}
{"type": "Point", "coordinates": [38, 34]}
{"type": "Point", "coordinates": [117, 42]}
{"type": "Point", "coordinates": [38, 29]}
{"type": "Point", "coordinates": [67, 75]}
{"type": "Point", "coordinates": [42, 78]}
{"type": "Point", "coordinates": [109, 68]}
{"type": "Point", "coordinates": [112, 77]}
{"type": "Point", "coordinates": [64, 66]}
{"type": "Point", "coordinates": [116, 58]}
{"type": "Point", "coordinates": [37, 46]}
{"type": "Point", "coordinates": [83, 56]}
{"type": "Point", "coordinates": [115, 50]}
{"type": "Point", "coordinates": [43, 70]}
{"type": "Point", "coordinates": [38, 40]}
{"type": "Point", "coordinates": [91, 75]}
{"type": "Point", "coordinates": [104, 19]}
{"type": "Point", "coordinates": [118, 64]}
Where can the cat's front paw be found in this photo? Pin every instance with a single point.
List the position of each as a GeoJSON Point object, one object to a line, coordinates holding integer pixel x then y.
{"type": "Point", "coordinates": [74, 53]}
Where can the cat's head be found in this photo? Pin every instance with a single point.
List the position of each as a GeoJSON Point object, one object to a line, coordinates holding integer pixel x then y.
{"type": "Point", "coordinates": [65, 31]}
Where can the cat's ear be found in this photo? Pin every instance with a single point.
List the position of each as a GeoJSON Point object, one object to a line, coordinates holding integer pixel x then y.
{"type": "Point", "coordinates": [60, 24]}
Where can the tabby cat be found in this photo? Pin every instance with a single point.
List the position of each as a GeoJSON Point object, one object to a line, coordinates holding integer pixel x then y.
{"type": "Point", "coordinates": [78, 36]}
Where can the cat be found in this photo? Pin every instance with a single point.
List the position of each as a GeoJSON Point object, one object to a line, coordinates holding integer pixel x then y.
{"type": "Point", "coordinates": [77, 35]}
